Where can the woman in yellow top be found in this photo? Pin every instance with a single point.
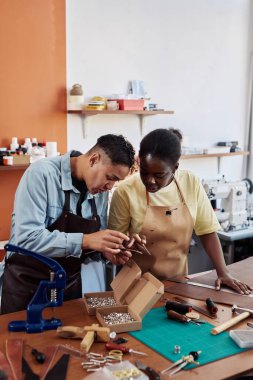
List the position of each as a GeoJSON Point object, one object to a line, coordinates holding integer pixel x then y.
{"type": "Point", "coordinates": [163, 205]}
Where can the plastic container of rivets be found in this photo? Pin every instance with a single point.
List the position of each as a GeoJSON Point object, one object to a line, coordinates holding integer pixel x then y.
{"type": "Point", "coordinates": [244, 338]}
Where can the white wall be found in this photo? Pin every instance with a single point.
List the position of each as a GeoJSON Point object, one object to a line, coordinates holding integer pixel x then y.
{"type": "Point", "coordinates": [193, 56]}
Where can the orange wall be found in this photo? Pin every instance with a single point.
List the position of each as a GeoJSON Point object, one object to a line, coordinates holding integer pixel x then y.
{"type": "Point", "coordinates": [32, 82]}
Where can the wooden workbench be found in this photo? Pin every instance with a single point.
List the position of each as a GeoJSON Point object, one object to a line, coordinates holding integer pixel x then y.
{"type": "Point", "coordinates": [73, 313]}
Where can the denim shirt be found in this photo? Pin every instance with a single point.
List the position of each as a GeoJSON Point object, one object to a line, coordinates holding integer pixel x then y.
{"type": "Point", "coordinates": [39, 201]}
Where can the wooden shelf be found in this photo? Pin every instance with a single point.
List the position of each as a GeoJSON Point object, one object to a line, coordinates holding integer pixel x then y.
{"type": "Point", "coordinates": [13, 167]}
{"type": "Point", "coordinates": [216, 155]}
{"type": "Point", "coordinates": [207, 155]}
{"type": "Point", "coordinates": [106, 112]}
{"type": "Point", "coordinates": [84, 114]}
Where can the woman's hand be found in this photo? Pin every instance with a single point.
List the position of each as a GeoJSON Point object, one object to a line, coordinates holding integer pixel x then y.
{"type": "Point", "coordinates": [233, 283]}
{"type": "Point", "coordinates": [137, 243]}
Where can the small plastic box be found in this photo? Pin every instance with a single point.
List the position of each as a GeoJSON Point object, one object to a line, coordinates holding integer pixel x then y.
{"type": "Point", "coordinates": [130, 104]}
{"type": "Point", "coordinates": [244, 338]}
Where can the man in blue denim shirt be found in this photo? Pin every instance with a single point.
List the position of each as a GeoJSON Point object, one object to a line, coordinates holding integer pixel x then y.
{"type": "Point", "coordinates": [60, 211]}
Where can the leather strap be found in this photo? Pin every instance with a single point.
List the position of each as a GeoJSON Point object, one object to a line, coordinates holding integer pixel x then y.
{"type": "Point", "coordinates": [5, 367]}
{"type": "Point", "coordinates": [14, 352]}
{"type": "Point", "coordinates": [51, 351]}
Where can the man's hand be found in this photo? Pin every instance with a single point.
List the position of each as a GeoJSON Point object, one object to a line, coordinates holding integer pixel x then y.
{"type": "Point", "coordinates": [108, 242]}
{"type": "Point", "coordinates": [233, 283]}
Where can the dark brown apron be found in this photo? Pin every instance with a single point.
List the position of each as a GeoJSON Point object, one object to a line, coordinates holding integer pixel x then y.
{"type": "Point", "coordinates": [22, 274]}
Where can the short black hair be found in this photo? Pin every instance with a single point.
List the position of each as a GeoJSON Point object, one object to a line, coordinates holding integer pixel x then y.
{"type": "Point", "coordinates": [117, 148]}
{"type": "Point", "coordinates": [164, 144]}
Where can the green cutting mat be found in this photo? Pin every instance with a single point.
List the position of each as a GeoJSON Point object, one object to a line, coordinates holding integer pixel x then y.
{"type": "Point", "coordinates": [162, 334]}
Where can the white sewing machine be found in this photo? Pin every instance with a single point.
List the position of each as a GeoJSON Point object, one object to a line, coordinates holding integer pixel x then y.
{"type": "Point", "coordinates": [232, 212]}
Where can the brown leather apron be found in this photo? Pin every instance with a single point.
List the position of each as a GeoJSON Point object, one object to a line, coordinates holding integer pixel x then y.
{"type": "Point", "coordinates": [22, 274]}
{"type": "Point", "coordinates": [168, 231]}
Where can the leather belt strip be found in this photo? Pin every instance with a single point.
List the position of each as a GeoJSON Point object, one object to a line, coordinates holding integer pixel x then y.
{"type": "Point", "coordinates": [14, 350]}
{"type": "Point", "coordinates": [5, 367]}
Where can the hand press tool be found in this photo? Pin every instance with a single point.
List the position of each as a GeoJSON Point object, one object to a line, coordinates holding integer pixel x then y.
{"type": "Point", "coordinates": [53, 287]}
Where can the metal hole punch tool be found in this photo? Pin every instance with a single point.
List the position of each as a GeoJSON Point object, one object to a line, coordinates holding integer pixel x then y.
{"type": "Point", "coordinates": [49, 294]}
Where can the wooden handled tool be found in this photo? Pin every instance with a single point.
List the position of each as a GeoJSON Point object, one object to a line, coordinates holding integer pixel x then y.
{"type": "Point", "coordinates": [88, 334]}
{"type": "Point", "coordinates": [231, 322]}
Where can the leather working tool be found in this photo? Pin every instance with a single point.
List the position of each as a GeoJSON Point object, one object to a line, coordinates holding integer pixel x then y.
{"type": "Point", "coordinates": [181, 363]}
{"type": "Point", "coordinates": [197, 308]}
{"type": "Point", "coordinates": [152, 374]}
{"type": "Point", "coordinates": [180, 317]}
{"type": "Point", "coordinates": [55, 286]}
{"type": "Point", "coordinates": [245, 313]}
{"type": "Point", "coordinates": [178, 307]}
{"type": "Point", "coordinates": [211, 306]}
{"type": "Point", "coordinates": [88, 334]}
{"type": "Point", "coordinates": [123, 349]}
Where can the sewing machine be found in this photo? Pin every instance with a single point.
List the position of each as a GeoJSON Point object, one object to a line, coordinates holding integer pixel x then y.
{"type": "Point", "coordinates": [48, 294]}
{"type": "Point", "coordinates": [232, 212]}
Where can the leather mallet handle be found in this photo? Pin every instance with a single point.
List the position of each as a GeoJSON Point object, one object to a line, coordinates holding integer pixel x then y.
{"type": "Point", "coordinates": [231, 322]}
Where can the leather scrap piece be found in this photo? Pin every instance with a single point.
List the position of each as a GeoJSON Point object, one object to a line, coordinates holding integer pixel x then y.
{"type": "Point", "coordinates": [59, 370]}
{"type": "Point", "coordinates": [27, 372]}
{"type": "Point", "coordinates": [5, 367]}
{"type": "Point", "coordinates": [51, 351]}
{"type": "Point", "coordinates": [14, 353]}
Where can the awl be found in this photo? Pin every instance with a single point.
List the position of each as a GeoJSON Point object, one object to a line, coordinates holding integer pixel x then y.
{"type": "Point", "coordinates": [124, 349]}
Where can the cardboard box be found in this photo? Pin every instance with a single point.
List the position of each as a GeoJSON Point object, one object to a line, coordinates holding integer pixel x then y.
{"type": "Point", "coordinates": [130, 104]}
{"type": "Point", "coordinates": [21, 159]}
{"type": "Point", "coordinates": [121, 285]}
{"type": "Point", "coordinates": [137, 300]}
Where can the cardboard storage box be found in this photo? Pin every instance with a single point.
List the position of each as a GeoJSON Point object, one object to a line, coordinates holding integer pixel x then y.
{"type": "Point", "coordinates": [21, 160]}
{"type": "Point", "coordinates": [130, 104]}
{"type": "Point", "coordinates": [121, 285]}
{"type": "Point", "coordinates": [137, 301]}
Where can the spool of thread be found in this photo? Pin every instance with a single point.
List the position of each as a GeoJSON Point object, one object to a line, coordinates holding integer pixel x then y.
{"type": "Point", "coordinates": [51, 148]}
{"type": "Point", "coordinates": [213, 309]}
{"type": "Point", "coordinates": [178, 307]}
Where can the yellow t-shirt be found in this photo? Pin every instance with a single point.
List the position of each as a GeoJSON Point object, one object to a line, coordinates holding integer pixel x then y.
{"type": "Point", "coordinates": [129, 204]}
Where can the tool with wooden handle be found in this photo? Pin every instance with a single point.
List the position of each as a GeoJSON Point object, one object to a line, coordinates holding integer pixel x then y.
{"type": "Point", "coordinates": [180, 317]}
{"type": "Point", "coordinates": [88, 334]}
{"type": "Point", "coordinates": [211, 306]}
{"type": "Point", "coordinates": [245, 313]}
{"type": "Point", "coordinates": [197, 308]}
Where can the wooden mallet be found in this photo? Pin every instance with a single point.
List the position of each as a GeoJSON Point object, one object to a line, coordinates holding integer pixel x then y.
{"type": "Point", "coordinates": [244, 313]}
